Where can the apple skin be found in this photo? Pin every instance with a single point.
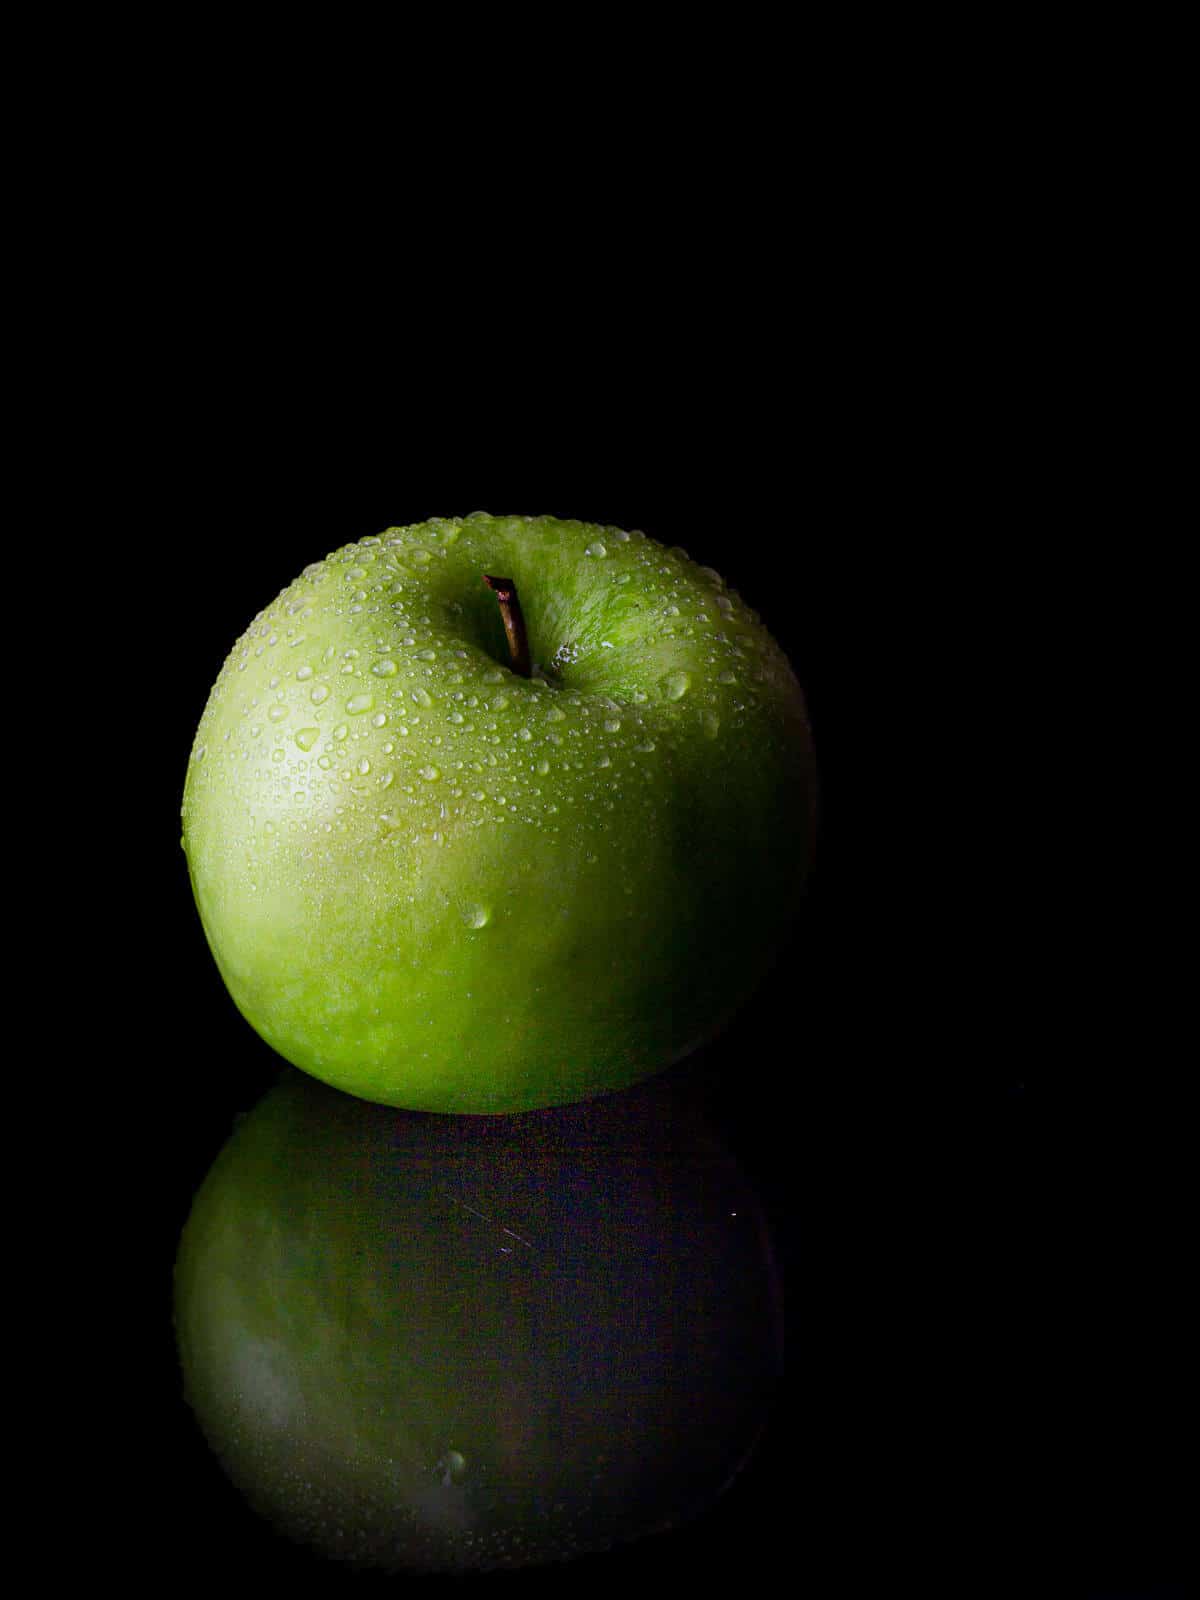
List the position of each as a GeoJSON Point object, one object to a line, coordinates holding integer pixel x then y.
{"type": "Point", "coordinates": [435, 884]}
{"type": "Point", "coordinates": [443, 1343]}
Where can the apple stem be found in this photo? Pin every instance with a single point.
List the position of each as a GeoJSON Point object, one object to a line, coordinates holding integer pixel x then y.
{"type": "Point", "coordinates": [505, 591]}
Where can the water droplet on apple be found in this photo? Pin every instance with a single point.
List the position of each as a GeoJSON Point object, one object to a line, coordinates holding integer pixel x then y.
{"type": "Point", "coordinates": [727, 677]}
{"type": "Point", "coordinates": [386, 668]}
{"type": "Point", "coordinates": [324, 762]}
{"type": "Point", "coordinates": [430, 774]}
{"type": "Point", "coordinates": [498, 702]}
{"type": "Point", "coordinates": [340, 731]}
{"type": "Point", "coordinates": [555, 714]}
{"type": "Point", "coordinates": [319, 695]}
{"type": "Point", "coordinates": [671, 611]}
{"type": "Point", "coordinates": [303, 673]}
{"type": "Point", "coordinates": [379, 720]}
{"type": "Point", "coordinates": [476, 916]}
{"type": "Point", "coordinates": [426, 655]}
{"type": "Point", "coordinates": [543, 766]}
{"type": "Point", "coordinates": [277, 713]}
{"type": "Point", "coordinates": [524, 733]}
{"type": "Point", "coordinates": [596, 549]}
{"type": "Point", "coordinates": [712, 724]}
{"type": "Point", "coordinates": [305, 738]}
{"type": "Point", "coordinates": [724, 603]}
{"type": "Point", "coordinates": [358, 703]}
{"type": "Point", "coordinates": [201, 751]}
{"type": "Point", "coordinates": [618, 535]}
{"type": "Point", "coordinates": [613, 725]}
{"type": "Point", "coordinates": [639, 697]}
{"type": "Point", "coordinates": [675, 685]}
{"type": "Point", "coordinates": [364, 766]}
{"type": "Point", "coordinates": [422, 696]}
{"type": "Point", "coordinates": [419, 555]}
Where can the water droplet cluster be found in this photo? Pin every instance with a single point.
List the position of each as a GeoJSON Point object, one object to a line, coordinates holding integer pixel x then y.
{"type": "Point", "coordinates": [312, 741]}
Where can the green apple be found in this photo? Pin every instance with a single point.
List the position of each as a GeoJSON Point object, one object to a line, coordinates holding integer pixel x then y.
{"type": "Point", "coordinates": [445, 1343]}
{"type": "Point", "coordinates": [437, 883]}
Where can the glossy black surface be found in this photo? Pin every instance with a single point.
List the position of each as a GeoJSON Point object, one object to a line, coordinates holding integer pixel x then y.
{"type": "Point", "coordinates": [981, 1220]}
{"type": "Point", "coordinates": [452, 1343]}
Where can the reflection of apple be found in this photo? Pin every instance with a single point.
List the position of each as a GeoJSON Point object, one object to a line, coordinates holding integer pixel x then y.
{"type": "Point", "coordinates": [445, 1343]}
{"type": "Point", "coordinates": [438, 883]}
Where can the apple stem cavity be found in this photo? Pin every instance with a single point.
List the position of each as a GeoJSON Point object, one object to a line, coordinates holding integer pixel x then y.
{"type": "Point", "coordinates": [505, 591]}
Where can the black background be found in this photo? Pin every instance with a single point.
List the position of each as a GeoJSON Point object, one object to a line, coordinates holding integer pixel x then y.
{"type": "Point", "coordinates": [979, 1211]}
{"type": "Point", "coordinates": [879, 324]}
